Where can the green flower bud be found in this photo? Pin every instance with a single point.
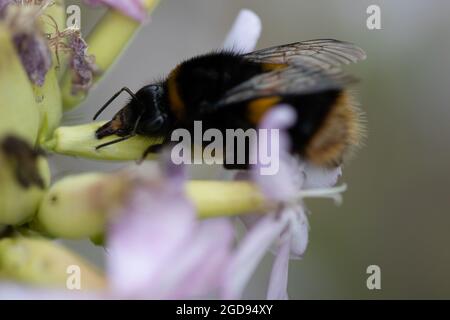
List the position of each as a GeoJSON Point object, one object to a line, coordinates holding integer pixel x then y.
{"type": "Point", "coordinates": [45, 263]}
{"type": "Point", "coordinates": [19, 114]}
{"type": "Point", "coordinates": [77, 206]}
{"type": "Point", "coordinates": [48, 99]}
{"type": "Point", "coordinates": [223, 198]}
{"type": "Point", "coordinates": [81, 141]}
{"type": "Point", "coordinates": [24, 175]}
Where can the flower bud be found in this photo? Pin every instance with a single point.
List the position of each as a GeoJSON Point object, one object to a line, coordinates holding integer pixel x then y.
{"type": "Point", "coordinates": [81, 141]}
{"type": "Point", "coordinates": [19, 114]}
{"type": "Point", "coordinates": [42, 262]}
{"type": "Point", "coordinates": [222, 198]}
{"type": "Point", "coordinates": [24, 175]}
{"type": "Point", "coordinates": [48, 100]}
{"type": "Point", "coordinates": [77, 206]}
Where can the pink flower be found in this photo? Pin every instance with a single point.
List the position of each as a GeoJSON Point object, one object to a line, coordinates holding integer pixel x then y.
{"type": "Point", "coordinates": [287, 228]}
{"type": "Point", "coordinates": [132, 8]}
{"type": "Point", "coordinates": [156, 248]}
{"type": "Point", "coordinates": [82, 64]}
{"type": "Point", "coordinates": [244, 33]}
{"type": "Point", "coordinates": [3, 5]}
{"type": "Point", "coordinates": [34, 54]}
{"type": "Point", "coordinates": [159, 250]}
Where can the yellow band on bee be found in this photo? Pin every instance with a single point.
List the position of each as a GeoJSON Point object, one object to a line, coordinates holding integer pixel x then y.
{"type": "Point", "coordinates": [273, 66]}
{"type": "Point", "coordinates": [257, 108]}
{"type": "Point", "coordinates": [176, 103]}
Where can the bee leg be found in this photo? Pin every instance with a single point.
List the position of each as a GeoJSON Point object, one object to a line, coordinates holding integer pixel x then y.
{"type": "Point", "coordinates": [155, 148]}
{"type": "Point", "coordinates": [114, 142]}
{"type": "Point", "coordinates": [113, 98]}
{"type": "Point", "coordinates": [234, 165]}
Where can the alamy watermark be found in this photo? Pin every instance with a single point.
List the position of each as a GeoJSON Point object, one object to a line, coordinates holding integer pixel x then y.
{"type": "Point", "coordinates": [73, 16]}
{"type": "Point", "coordinates": [73, 11]}
{"type": "Point", "coordinates": [242, 147]}
{"type": "Point", "coordinates": [373, 21]}
{"type": "Point", "coordinates": [373, 282]}
{"type": "Point", "coordinates": [73, 281]}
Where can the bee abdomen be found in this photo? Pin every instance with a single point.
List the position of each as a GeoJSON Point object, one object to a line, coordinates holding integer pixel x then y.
{"type": "Point", "coordinates": [340, 132]}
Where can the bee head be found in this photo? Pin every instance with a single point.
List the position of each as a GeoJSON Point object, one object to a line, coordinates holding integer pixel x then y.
{"type": "Point", "coordinates": [143, 114]}
{"type": "Point", "coordinates": [122, 123]}
{"type": "Point", "coordinates": [153, 117]}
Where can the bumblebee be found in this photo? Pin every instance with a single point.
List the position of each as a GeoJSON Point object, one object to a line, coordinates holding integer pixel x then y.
{"type": "Point", "coordinates": [227, 90]}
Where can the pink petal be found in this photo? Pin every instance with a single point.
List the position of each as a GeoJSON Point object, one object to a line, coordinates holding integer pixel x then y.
{"type": "Point", "coordinates": [82, 64]}
{"type": "Point", "coordinates": [198, 269]}
{"type": "Point", "coordinates": [34, 54]}
{"type": "Point", "coordinates": [249, 220]}
{"type": "Point", "coordinates": [279, 276]}
{"type": "Point", "coordinates": [279, 117]}
{"type": "Point", "coordinates": [244, 33]}
{"type": "Point", "coordinates": [249, 254]}
{"type": "Point", "coordinates": [142, 241]}
{"type": "Point", "coordinates": [318, 177]}
{"type": "Point", "coordinates": [286, 183]}
{"type": "Point", "coordinates": [159, 249]}
{"type": "Point", "coordinates": [299, 232]}
{"type": "Point", "coordinates": [132, 8]}
{"type": "Point", "coordinates": [3, 5]}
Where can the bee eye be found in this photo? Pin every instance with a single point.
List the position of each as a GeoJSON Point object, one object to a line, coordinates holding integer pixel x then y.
{"type": "Point", "coordinates": [156, 89]}
{"type": "Point", "coordinates": [155, 124]}
{"type": "Point", "coordinates": [158, 123]}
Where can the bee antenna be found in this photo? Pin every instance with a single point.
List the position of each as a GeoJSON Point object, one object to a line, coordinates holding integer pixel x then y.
{"type": "Point", "coordinates": [113, 98]}
{"type": "Point", "coordinates": [113, 142]}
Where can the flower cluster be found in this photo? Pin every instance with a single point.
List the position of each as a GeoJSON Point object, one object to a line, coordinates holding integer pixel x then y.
{"type": "Point", "coordinates": [165, 237]}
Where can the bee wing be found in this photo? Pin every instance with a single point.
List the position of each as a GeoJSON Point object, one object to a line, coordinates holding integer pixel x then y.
{"type": "Point", "coordinates": [295, 79]}
{"type": "Point", "coordinates": [327, 53]}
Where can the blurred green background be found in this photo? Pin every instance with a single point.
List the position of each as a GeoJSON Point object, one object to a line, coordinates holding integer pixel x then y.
{"type": "Point", "coordinates": [396, 211]}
